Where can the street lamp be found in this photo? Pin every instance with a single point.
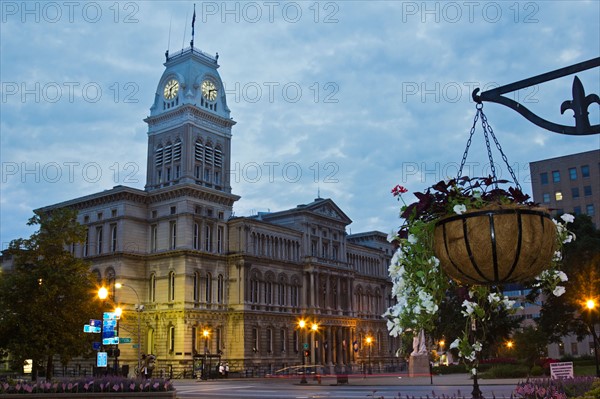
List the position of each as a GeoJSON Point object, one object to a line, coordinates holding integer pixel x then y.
{"type": "Point", "coordinates": [509, 344]}
{"type": "Point", "coordinates": [369, 340]}
{"type": "Point", "coordinates": [139, 308]}
{"type": "Point", "coordinates": [590, 304]}
{"type": "Point", "coordinates": [206, 334]}
{"type": "Point", "coordinates": [303, 352]}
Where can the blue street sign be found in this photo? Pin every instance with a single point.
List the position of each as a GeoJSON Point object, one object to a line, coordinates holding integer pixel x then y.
{"type": "Point", "coordinates": [102, 360]}
{"type": "Point", "coordinates": [110, 341]}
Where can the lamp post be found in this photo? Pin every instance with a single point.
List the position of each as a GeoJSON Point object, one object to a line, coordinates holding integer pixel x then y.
{"type": "Point", "coordinates": [369, 341]}
{"type": "Point", "coordinates": [303, 352]}
{"type": "Point", "coordinates": [590, 304]}
{"type": "Point", "coordinates": [139, 308]}
{"type": "Point", "coordinates": [206, 334]}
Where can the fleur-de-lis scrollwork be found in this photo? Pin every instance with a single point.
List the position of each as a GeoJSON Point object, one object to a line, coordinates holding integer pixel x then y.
{"type": "Point", "coordinates": [579, 105]}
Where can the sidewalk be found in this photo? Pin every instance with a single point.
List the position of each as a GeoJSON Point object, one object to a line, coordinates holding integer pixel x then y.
{"type": "Point", "coordinates": [397, 379]}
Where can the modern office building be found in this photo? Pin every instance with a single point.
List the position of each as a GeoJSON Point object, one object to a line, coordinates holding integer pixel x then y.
{"type": "Point", "coordinates": [215, 287]}
{"type": "Point", "coordinates": [569, 184]}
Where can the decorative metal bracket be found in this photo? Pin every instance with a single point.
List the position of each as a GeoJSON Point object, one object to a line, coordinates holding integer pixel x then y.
{"type": "Point", "coordinates": [579, 104]}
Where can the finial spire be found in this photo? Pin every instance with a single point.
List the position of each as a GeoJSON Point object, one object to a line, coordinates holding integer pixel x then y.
{"type": "Point", "coordinates": [193, 22]}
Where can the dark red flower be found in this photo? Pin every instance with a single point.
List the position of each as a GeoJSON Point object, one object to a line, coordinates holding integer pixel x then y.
{"type": "Point", "coordinates": [398, 190]}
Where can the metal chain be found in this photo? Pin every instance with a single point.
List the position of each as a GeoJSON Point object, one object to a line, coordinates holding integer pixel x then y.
{"type": "Point", "coordinates": [464, 158]}
{"type": "Point", "coordinates": [489, 148]}
{"type": "Point", "coordinates": [485, 124]}
{"type": "Point", "coordinates": [487, 129]}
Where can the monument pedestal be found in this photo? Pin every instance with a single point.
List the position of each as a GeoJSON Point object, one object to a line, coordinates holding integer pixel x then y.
{"type": "Point", "coordinates": [418, 365]}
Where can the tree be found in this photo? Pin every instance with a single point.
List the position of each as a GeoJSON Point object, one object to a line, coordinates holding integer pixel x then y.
{"type": "Point", "coordinates": [566, 314]}
{"type": "Point", "coordinates": [48, 294]}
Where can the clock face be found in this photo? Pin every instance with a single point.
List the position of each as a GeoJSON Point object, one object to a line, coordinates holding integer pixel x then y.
{"type": "Point", "coordinates": [171, 89]}
{"type": "Point", "coordinates": [209, 90]}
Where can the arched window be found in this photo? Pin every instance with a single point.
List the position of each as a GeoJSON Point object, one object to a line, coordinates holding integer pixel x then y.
{"type": "Point", "coordinates": [152, 288]}
{"type": "Point", "coordinates": [220, 289]}
{"type": "Point", "coordinates": [208, 286]}
{"type": "Point", "coordinates": [171, 286]}
{"type": "Point", "coordinates": [196, 238]}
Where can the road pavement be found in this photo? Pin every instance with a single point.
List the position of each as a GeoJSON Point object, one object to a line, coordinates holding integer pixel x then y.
{"type": "Point", "coordinates": [359, 386]}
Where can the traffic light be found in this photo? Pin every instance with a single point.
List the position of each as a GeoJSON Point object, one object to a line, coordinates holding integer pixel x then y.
{"type": "Point", "coordinates": [306, 352]}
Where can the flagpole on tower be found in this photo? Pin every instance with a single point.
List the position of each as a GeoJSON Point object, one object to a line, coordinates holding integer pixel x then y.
{"type": "Point", "coordinates": [193, 21]}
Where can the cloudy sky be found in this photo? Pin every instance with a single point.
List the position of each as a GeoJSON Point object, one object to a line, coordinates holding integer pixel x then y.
{"type": "Point", "coordinates": [345, 98]}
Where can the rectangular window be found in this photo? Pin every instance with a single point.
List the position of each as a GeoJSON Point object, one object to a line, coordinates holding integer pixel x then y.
{"type": "Point", "coordinates": [575, 192]}
{"type": "Point", "coordinates": [99, 240]}
{"type": "Point", "coordinates": [208, 238]}
{"type": "Point", "coordinates": [255, 339]}
{"type": "Point", "coordinates": [218, 340]}
{"type": "Point", "coordinates": [577, 210]}
{"type": "Point", "coordinates": [196, 286]}
{"type": "Point", "coordinates": [585, 171]}
{"type": "Point", "coordinates": [587, 191]}
{"type": "Point", "coordinates": [294, 293]}
{"type": "Point", "coordinates": [589, 209]}
{"type": "Point", "coordinates": [194, 343]}
{"type": "Point", "coordinates": [544, 178]}
{"type": "Point", "coordinates": [207, 175]}
{"type": "Point", "coordinates": [208, 286]}
{"type": "Point", "coordinates": [556, 176]}
{"type": "Point", "coordinates": [295, 341]}
{"type": "Point", "coordinates": [546, 198]}
{"type": "Point", "coordinates": [217, 178]}
{"type": "Point", "coordinates": [558, 196]}
{"type": "Point", "coordinates": [153, 237]}
{"type": "Point", "coordinates": [86, 243]}
{"type": "Point", "coordinates": [573, 173]}
{"type": "Point", "coordinates": [173, 235]}
{"type": "Point", "coordinates": [196, 238]}
{"type": "Point", "coordinates": [574, 348]}
{"type": "Point", "coordinates": [561, 349]}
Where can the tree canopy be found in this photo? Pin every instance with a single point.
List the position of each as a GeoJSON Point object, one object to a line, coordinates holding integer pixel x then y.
{"type": "Point", "coordinates": [48, 294]}
{"type": "Point", "coordinates": [567, 314]}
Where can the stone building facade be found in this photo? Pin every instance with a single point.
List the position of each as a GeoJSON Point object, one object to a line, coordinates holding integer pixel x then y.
{"type": "Point", "coordinates": [247, 281]}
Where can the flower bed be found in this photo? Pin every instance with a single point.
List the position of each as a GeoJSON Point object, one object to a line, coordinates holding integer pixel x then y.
{"type": "Point", "coordinates": [113, 387]}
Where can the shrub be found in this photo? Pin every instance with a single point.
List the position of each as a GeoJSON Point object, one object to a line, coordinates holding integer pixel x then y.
{"type": "Point", "coordinates": [536, 371]}
{"type": "Point", "coordinates": [594, 391]}
{"type": "Point", "coordinates": [506, 371]}
{"type": "Point", "coordinates": [450, 369]}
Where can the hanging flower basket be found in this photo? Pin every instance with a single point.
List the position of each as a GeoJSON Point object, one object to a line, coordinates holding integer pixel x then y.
{"type": "Point", "coordinates": [495, 245]}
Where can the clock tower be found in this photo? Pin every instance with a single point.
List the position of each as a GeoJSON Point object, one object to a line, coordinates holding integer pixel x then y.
{"type": "Point", "coordinates": [189, 127]}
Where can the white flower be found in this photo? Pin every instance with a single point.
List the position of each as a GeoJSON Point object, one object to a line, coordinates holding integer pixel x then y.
{"type": "Point", "coordinates": [568, 218]}
{"type": "Point", "coordinates": [557, 256]}
{"type": "Point", "coordinates": [477, 346]}
{"type": "Point", "coordinates": [474, 371]}
{"type": "Point", "coordinates": [455, 343]}
{"type": "Point", "coordinates": [391, 237]}
{"type": "Point", "coordinates": [460, 209]}
{"type": "Point", "coordinates": [412, 239]}
{"type": "Point", "coordinates": [559, 290]}
{"type": "Point", "coordinates": [562, 276]}
{"type": "Point", "coordinates": [469, 307]}
{"type": "Point", "coordinates": [493, 298]}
